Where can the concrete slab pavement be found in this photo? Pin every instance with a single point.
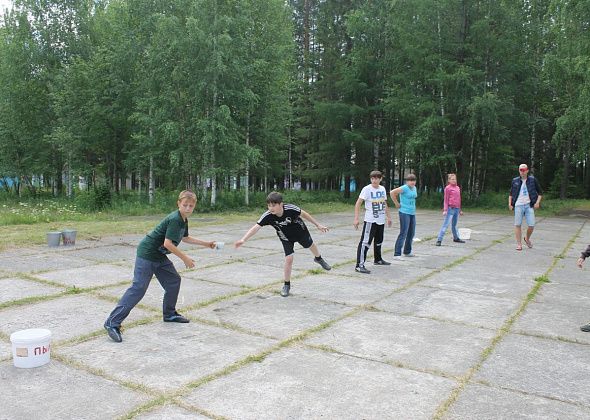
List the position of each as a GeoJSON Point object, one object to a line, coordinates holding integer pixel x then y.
{"type": "Point", "coordinates": [435, 336]}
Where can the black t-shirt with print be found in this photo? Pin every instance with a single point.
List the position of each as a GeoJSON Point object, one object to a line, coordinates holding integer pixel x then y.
{"type": "Point", "coordinates": [289, 226]}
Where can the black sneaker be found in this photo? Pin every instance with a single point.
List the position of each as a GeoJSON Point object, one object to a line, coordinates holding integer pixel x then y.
{"type": "Point", "coordinates": [585, 328]}
{"type": "Point", "coordinates": [177, 318]}
{"type": "Point", "coordinates": [460, 241]}
{"type": "Point", "coordinates": [285, 289]}
{"type": "Point", "coordinates": [438, 243]}
{"type": "Point", "coordinates": [323, 263]}
{"type": "Point", "coordinates": [381, 262]}
{"type": "Point", "coordinates": [114, 333]}
{"type": "Point", "coordinates": [362, 269]}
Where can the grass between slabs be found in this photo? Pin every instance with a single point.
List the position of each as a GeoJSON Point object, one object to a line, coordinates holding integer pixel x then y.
{"type": "Point", "coordinates": [502, 332]}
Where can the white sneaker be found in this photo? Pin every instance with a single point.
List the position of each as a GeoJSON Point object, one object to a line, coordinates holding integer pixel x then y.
{"type": "Point", "coordinates": [409, 255]}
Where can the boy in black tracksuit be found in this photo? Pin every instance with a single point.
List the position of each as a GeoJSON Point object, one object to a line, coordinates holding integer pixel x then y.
{"type": "Point", "coordinates": [286, 219]}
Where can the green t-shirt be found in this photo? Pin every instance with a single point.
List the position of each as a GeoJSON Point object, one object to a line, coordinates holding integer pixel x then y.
{"type": "Point", "coordinates": [173, 227]}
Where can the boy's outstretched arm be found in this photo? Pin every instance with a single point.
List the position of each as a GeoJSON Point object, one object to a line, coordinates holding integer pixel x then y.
{"type": "Point", "coordinates": [308, 217]}
{"type": "Point", "coordinates": [196, 241]}
{"type": "Point", "coordinates": [251, 232]}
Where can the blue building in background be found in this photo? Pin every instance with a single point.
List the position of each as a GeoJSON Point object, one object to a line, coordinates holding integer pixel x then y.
{"type": "Point", "coordinates": [7, 182]}
{"type": "Point", "coordinates": [352, 185]}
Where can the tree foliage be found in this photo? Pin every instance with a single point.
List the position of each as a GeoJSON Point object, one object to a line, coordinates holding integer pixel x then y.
{"type": "Point", "coordinates": [261, 94]}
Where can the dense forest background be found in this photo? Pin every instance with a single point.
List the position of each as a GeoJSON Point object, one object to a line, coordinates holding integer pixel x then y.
{"type": "Point", "coordinates": [260, 94]}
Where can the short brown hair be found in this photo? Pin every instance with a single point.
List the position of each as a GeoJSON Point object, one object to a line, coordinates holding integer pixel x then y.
{"type": "Point", "coordinates": [188, 195]}
{"type": "Point", "coordinates": [274, 198]}
{"type": "Point", "coordinates": [411, 177]}
{"type": "Point", "coordinates": [376, 174]}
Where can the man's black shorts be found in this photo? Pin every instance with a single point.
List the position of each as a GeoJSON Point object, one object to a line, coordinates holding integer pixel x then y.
{"type": "Point", "coordinates": [304, 240]}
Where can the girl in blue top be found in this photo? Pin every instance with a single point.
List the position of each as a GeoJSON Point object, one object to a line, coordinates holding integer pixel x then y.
{"type": "Point", "coordinates": [407, 215]}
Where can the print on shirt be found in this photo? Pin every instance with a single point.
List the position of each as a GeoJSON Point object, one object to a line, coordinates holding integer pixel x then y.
{"type": "Point", "coordinates": [378, 203]}
{"type": "Point", "coordinates": [375, 203]}
{"type": "Point", "coordinates": [289, 226]}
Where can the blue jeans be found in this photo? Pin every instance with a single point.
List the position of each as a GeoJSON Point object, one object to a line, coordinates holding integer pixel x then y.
{"type": "Point", "coordinates": [452, 214]}
{"type": "Point", "coordinates": [525, 211]}
{"type": "Point", "coordinates": [142, 275]}
{"type": "Point", "coordinates": [407, 228]}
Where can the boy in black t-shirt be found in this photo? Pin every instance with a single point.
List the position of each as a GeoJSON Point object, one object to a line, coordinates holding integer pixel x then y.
{"type": "Point", "coordinates": [286, 220]}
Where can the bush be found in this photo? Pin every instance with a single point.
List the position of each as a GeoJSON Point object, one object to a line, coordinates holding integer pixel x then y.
{"type": "Point", "coordinates": [96, 199]}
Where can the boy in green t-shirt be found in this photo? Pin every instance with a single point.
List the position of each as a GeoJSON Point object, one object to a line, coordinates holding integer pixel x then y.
{"type": "Point", "coordinates": [152, 260]}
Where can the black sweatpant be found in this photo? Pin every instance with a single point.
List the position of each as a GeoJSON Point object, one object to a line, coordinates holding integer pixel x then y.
{"type": "Point", "coordinates": [370, 231]}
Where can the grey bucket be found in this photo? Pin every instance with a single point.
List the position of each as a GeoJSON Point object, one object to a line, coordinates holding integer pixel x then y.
{"type": "Point", "coordinates": [53, 238]}
{"type": "Point", "coordinates": [69, 236]}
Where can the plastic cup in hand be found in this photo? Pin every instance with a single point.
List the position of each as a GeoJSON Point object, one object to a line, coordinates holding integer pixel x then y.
{"type": "Point", "coordinates": [219, 246]}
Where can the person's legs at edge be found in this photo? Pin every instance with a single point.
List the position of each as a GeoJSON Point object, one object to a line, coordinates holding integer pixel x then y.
{"type": "Point", "coordinates": [410, 235]}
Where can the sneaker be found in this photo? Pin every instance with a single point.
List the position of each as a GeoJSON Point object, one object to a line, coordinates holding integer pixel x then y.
{"type": "Point", "coordinates": [114, 333]}
{"type": "Point", "coordinates": [382, 262]}
{"type": "Point", "coordinates": [459, 241]}
{"type": "Point", "coordinates": [177, 318]}
{"type": "Point", "coordinates": [323, 263]}
{"type": "Point", "coordinates": [397, 257]}
{"type": "Point", "coordinates": [409, 255]}
{"type": "Point", "coordinates": [285, 289]}
{"type": "Point", "coordinates": [528, 242]}
{"type": "Point", "coordinates": [438, 243]}
{"type": "Point", "coordinates": [362, 269]}
{"type": "Point", "coordinates": [585, 328]}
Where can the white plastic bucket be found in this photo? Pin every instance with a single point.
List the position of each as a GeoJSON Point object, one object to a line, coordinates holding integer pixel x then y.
{"type": "Point", "coordinates": [53, 238]}
{"type": "Point", "coordinates": [464, 233]}
{"type": "Point", "coordinates": [30, 348]}
{"type": "Point", "coordinates": [69, 237]}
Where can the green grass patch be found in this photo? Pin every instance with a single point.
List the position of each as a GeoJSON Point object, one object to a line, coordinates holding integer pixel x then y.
{"type": "Point", "coordinates": [542, 279]}
{"type": "Point", "coordinates": [25, 221]}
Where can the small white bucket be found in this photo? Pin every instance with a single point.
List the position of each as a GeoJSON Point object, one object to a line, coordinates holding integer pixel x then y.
{"type": "Point", "coordinates": [219, 245]}
{"type": "Point", "coordinates": [30, 348]}
{"type": "Point", "coordinates": [465, 234]}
